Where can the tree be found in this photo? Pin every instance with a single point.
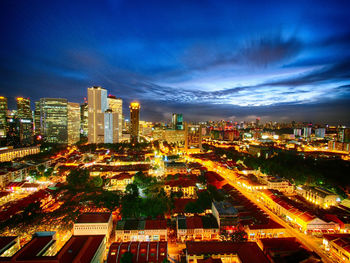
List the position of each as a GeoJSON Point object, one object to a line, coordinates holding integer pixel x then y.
{"type": "Point", "coordinates": [132, 190]}
{"type": "Point", "coordinates": [96, 181]}
{"type": "Point", "coordinates": [78, 178]}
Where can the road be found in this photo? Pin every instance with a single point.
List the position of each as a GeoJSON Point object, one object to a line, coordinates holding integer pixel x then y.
{"type": "Point", "coordinates": [308, 241]}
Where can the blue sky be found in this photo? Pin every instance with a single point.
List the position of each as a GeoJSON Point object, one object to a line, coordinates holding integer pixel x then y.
{"type": "Point", "coordinates": [279, 60]}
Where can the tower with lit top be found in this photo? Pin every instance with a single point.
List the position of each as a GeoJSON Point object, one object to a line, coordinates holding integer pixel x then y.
{"type": "Point", "coordinates": [134, 120]}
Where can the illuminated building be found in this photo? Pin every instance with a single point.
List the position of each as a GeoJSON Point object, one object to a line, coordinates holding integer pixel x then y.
{"type": "Point", "coordinates": [318, 196]}
{"type": "Point", "coordinates": [134, 119]}
{"type": "Point", "coordinates": [25, 121]}
{"type": "Point", "coordinates": [193, 138]}
{"type": "Point", "coordinates": [344, 135]}
{"type": "Point", "coordinates": [156, 252]}
{"type": "Point", "coordinates": [197, 228]}
{"type": "Point", "coordinates": [94, 224]}
{"type": "Point", "coordinates": [7, 154]}
{"type": "Point", "coordinates": [141, 230]}
{"type": "Point", "coordinates": [320, 132]}
{"type": "Point", "coordinates": [337, 245]}
{"type": "Point", "coordinates": [229, 251]}
{"type": "Point", "coordinates": [111, 131]}
{"type": "Point", "coordinates": [73, 122]}
{"type": "Point", "coordinates": [307, 132]}
{"type": "Point", "coordinates": [37, 118]}
{"type": "Point", "coordinates": [3, 113]}
{"type": "Point", "coordinates": [116, 105]}
{"type": "Point", "coordinates": [54, 120]}
{"type": "Point", "coordinates": [44, 247]}
{"type": "Point", "coordinates": [297, 132]}
{"type": "Point", "coordinates": [97, 105]}
{"type": "Point", "coordinates": [84, 118]}
{"type": "Point", "coordinates": [177, 121]}
{"type": "Point", "coordinates": [171, 136]}
{"type": "Point", "coordinates": [120, 181]}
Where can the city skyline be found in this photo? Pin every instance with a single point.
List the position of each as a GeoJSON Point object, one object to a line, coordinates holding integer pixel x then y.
{"type": "Point", "coordinates": [211, 60]}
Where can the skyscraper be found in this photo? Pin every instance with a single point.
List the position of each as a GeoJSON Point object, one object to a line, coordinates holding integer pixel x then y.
{"type": "Point", "coordinates": [54, 120]}
{"type": "Point", "coordinates": [193, 137]}
{"type": "Point", "coordinates": [37, 118]}
{"type": "Point", "coordinates": [73, 122]}
{"type": "Point", "coordinates": [111, 126]}
{"type": "Point", "coordinates": [97, 105]}
{"type": "Point", "coordinates": [177, 121]}
{"type": "Point", "coordinates": [3, 113]}
{"type": "Point", "coordinates": [84, 119]}
{"type": "Point", "coordinates": [116, 105]}
{"type": "Point", "coordinates": [25, 121]}
{"type": "Point", "coordinates": [134, 119]}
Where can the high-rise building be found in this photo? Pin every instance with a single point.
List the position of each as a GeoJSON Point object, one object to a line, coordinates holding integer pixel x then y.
{"type": "Point", "coordinates": [134, 120]}
{"type": "Point", "coordinates": [116, 105]}
{"type": "Point", "coordinates": [25, 121]}
{"type": "Point", "coordinates": [73, 122]}
{"type": "Point", "coordinates": [97, 105]}
{"type": "Point", "coordinates": [320, 132]}
{"type": "Point", "coordinates": [344, 134]}
{"type": "Point", "coordinates": [177, 121]}
{"type": "Point", "coordinates": [37, 118]}
{"type": "Point", "coordinates": [84, 119]}
{"type": "Point", "coordinates": [111, 132]}
{"type": "Point", "coordinates": [3, 113]}
{"type": "Point", "coordinates": [193, 137]}
{"type": "Point", "coordinates": [307, 132]}
{"type": "Point", "coordinates": [54, 120]}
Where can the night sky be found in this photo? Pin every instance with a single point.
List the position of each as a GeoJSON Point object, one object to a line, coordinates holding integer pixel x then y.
{"type": "Point", "coordinates": [278, 60]}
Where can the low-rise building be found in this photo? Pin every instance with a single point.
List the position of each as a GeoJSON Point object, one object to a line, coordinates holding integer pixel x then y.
{"type": "Point", "coordinates": [269, 230]}
{"type": "Point", "coordinates": [197, 228]}
{"type": "Point", "coordinates": [225, 214]}
{"type": "Point", "coordinates": [338, 246]}
{"type": "Point", "coordinates": [141, 230]}
{"type": "Point", "coordinates": [7, 154]}
{"type": "Point", "coordinates": [143, 252]}
{"type": "Point", "coordinates": [94, 224]}
{"type": "Point", "coordinates": [187, 186]}
{"type": "Point", "coordinates": [286, 249]}
{"type": "Point", "coordinates": [43, 248]}
{"type": "Point", "coordinates": [318, 196]}
{"type": "Point", "coordinates": [120, 181]}
{"type": "Point", "coordinates": [175, 167]}
{"type": "Point", "coordinates": [226, 251]}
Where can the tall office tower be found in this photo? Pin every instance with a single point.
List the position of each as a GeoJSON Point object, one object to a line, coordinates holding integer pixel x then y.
{"type": "Point", "coordinates": [177, 121]}
{"type": "Point", "coordinates": [73, 122]}
{"type": "Point", "coordinates": [116, 105]}
{"type": "Point", "coordinates": [193, 137]}
{"type": "Point", "coordinates": [24, 115]}
{"type": "Point", "coordinates": [3, 114]}
{"type": "Point", "coordinates": [37, 118]}
{"type": "Point", "coordinates": [84, 118]}
{"type": "Point", "coordinates": [54, 120]}
{"type": "Point", "coordinates": [97, 105]}
{"type": "Point", "coordinates": [134, 120]}
{"type": "Point", "coordinates": [111, 132]}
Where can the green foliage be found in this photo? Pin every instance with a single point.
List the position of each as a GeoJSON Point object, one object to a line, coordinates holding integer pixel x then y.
{"type": "Point", "coordinates": [96, 181]}
{"type": "Point", "coordinates": [78, 179]}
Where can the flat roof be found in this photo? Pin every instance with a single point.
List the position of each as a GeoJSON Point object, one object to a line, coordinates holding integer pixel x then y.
{"type": "Point", "coordinates": [142, 251]}
{"type": "Point", "coordinates": [6, 243]}
{"type": "Point", "coordinates": [93, 218]}
{"type": "Point", "coordinates": [80, 248]}
{"type": "Point", "coordinates": [225, 208]}
{"type": "Point", "coordinates": [247, 252]}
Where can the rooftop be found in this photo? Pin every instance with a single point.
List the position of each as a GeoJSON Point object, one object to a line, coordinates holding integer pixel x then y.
{"type": "Point", "coordinates": [93, 218]}
{"type": "Point", "coordinates": [247, 252]}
